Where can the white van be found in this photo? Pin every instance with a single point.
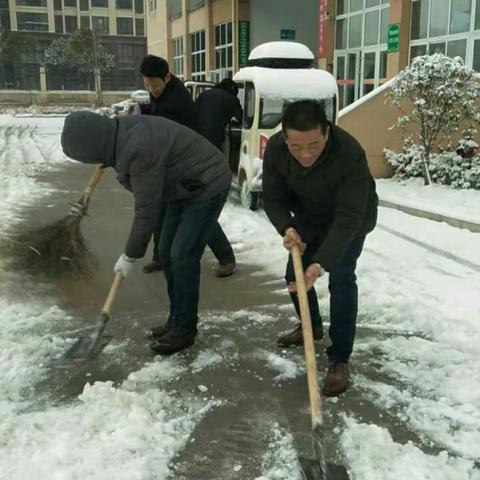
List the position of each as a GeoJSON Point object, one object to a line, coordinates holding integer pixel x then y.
{"type": "Point", "coordinates": [280, 73]}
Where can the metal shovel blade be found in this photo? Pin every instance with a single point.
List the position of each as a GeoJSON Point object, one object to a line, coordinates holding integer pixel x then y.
{"type": "Point", "coordinates": [312, 471]}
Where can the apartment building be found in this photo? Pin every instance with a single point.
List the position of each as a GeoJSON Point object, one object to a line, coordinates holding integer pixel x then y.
{"type": "Point", "coordinates": [366, 42]}
{"type": "Point", "coordinates": [119, 26]}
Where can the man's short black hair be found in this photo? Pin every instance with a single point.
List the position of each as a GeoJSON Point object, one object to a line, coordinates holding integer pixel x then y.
{"type": "Point", "coordinates": [153, 66]}
{"type": "Point", "coordinates": [304, 115]}
{"type": "Point", "coordinates": [229, 85]}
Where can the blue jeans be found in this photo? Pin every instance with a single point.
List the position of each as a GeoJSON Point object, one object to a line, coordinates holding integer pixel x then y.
{"type": "Point", "coordinates": [342, 284]}
{"type": "Point", "coordinates": [186, 229]}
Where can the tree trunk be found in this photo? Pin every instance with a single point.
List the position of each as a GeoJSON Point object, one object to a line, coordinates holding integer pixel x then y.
{"type": "Point", "coordinates": [427, 179]}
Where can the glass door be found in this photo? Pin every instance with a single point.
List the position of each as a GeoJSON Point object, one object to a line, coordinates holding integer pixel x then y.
{"type": "Point", "coordinates": [347, 71]}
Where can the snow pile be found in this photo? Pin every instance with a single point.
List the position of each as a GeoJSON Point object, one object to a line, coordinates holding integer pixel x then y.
{"type": "Point", "coordinates": [108, 433]}
{"type": "Point", "coordinates": [288, 369]}
{"type": "Point", "coordinates": [369, 458]}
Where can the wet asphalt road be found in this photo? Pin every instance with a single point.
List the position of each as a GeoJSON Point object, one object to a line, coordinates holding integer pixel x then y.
{"type": "Point", "coordinates": [241, 317]}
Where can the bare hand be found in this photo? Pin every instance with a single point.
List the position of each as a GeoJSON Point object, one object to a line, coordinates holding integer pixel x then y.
{"type": "Point", "coordinates": [311, 275]}
{"type": "Point", "coordinates": [292, 238]}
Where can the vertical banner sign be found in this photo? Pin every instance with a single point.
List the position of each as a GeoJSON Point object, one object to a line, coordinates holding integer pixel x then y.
{"type": "Point", "coordinates": [322, 25]}
{"type": "Point", "coordinates": [243, 42]}
{"type": "Point", "coordinates": [393, 37]}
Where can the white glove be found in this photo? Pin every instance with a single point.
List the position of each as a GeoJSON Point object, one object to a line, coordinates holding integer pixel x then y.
{"type": "Point", "coordinates": [124, 265]}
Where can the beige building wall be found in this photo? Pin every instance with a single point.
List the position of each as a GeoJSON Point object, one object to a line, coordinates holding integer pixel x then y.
{"type": "Point", "coordinates": [159, 31]}
{"type": "Point", "coordinates": [370, 122]}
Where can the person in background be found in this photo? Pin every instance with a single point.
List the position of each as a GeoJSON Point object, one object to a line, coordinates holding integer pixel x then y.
{"type": "Point", "coordinates": [170, 168]}
{"type": "Point", "coordinates": [215, 109]}
{"type": "Point", "coordinates": [319, 195]}
{"type": "Point", "coordinates": [169, 98]}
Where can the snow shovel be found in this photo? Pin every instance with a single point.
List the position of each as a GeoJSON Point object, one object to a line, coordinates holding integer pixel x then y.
{"type": "Point", "coordinates": [91, 344]}
{"type": "Point", "coordinates": [316, 468]}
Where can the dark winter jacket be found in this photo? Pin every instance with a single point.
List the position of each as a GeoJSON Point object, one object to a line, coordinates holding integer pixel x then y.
{"type": "Point", "coordinates": [174, 103]}
{"type": "Point", "coordinates": [215, 108]}
{"type": "Point", "coordinates": [158, 160]}
{"type": "Point", "coordinates": [333, 201]}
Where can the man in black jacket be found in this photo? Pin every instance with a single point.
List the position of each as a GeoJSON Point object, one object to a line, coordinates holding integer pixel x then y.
{"type": "Point", "coordinates": [215, 108]}
{"type": "Point", "coordinates": [319, 194]}
{"type": "Point", "coordinates": [170, 99]}
{"type": "Point", "coordinates": [170, 168]}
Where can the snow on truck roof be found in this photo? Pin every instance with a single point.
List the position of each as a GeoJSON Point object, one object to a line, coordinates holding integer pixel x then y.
{"type": "Point", "coordinates": [295, 84]}
{"type": "Point", "coordinates": [281, 50]}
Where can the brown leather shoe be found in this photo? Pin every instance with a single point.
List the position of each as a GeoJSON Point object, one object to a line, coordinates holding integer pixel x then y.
{"type": "Point", "coordinates": [155, 333]}
{"type": "Point", "coordinates": [336, 380]}
{"type": "Point", "coordinates": [226, 270]}
{"type": "Point", "coordinates": [295, 337]}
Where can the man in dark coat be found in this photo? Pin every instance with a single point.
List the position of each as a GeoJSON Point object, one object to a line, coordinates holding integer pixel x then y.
{"type": "Point", "coordinates": [167, 167]}
{"type": "Point", "coordinates": [319, 194]}
{"type": "Point", "coordinates": [215, 108]}
{"type": "Point", "coordinates": [170, 99]}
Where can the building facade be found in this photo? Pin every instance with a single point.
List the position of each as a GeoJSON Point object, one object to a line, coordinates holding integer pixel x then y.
{"type": "Point", "coordinates": [364, 42]}
{"type": "Point", "coordinates": [120, 26]}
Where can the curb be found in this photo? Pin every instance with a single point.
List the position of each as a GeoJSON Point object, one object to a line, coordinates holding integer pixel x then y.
{"type": "Point", "coordinates": [438, 217]}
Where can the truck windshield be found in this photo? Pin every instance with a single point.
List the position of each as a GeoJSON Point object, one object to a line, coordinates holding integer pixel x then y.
{"type": "Point", "coordinates": [271, 110]}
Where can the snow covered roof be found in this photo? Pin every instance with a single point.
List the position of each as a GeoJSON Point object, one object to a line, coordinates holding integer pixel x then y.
{"type": "Point", "coordinates": [293, 84]}
{"type": "Point", "coordinates": [281, 50]}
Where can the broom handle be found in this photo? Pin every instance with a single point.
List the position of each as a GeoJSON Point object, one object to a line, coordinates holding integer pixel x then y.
{"type": "Point", "coordinates": [112, 293]}
{"type": "Point", "coordinates": [310, 361]}
{"type": "Point", "coordinates": [94, 179]}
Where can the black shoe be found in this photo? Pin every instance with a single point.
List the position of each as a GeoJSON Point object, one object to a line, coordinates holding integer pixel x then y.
{"type": "Point", "coordinates": [337, 379]}
{"type": "Point", "coordinates": [155, 333]}
{"type": "Point", "coordinates": [295, 337]}
{"type": "Point", "coordinates": [226, 270]}
{"type": "Point", "coordinates": [172, 341]}
{"type": "Point", "coordinates": [153, 266]}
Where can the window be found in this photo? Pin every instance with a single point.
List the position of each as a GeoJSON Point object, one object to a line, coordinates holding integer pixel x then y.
{"type": "Point", "coordinates": [85, 22]}
{"type": "Point", "coordinates": [101, 25]}
{"type": "Point", "coordinates": [32, 21]}
{"type": "Point", "coordinates": [223, 50]}
{"type": "Point", "coordinates": [124, 53]}
{"type": "Point", "coordinates": [371, 28]}
{"type": "Point", "coordinates": [271, 110]}
{"type": "Point", "coordinates": [124, 4]}
{"type": "Point", "coordinates": [152, 6]}
{"type": "Point", "coordinates": [197, 55]}
{"type": "Point", "coordinates": [419, 19]}
{"type": "Point", "coordinates": [58, 24]}
{"type": "Point", "coordinates": [476, 55]}
{"type": "Point", "coordinates": [174, 9]}
{"type": "Point", "coordinates": [443, 26]}
{"type": "Point", "coordinates": [460, 15]}
{"type": "Point", "coordinates": [138, 6]}
{"type": "Point", "coordinates": [477, 18]}
{"type": "Point", "coordinates": [355, 31]}
{"type": "Point", "coordinates": [57, 5]}
{"type": "Point", "coordinates": [457, 48]}
{"type": "Point", "coordinates": [32, 3]}
{"type": "Point", "coordinates": [139, 27]}
{"type": "Point", "coordinates": [341, 7]}
{"type": "Point", "coordinates": [124, 26]}
{"type": "Point", "coordinates": [249, 107]}
{"type": "Point", "coordinates": [341, 34]}
{"type": "Point", "coordinates": [70, 23]}
{"type": "Point", "coordinates": [194, 4]}
{"type": "Point", "coordinates": [178, 57]}
{"type": "Point", "coordinates": [70, 3]}
{"type": "Point", "coordinates": [99, 3]}
{"type": "Point", "coordinates": [356, 5]}
{"type": "Point", "coordinates": [84, 6]}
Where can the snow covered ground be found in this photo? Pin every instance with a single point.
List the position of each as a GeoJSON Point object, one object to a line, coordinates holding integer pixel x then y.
{"type": "Point", "coordinates": [419, 282]}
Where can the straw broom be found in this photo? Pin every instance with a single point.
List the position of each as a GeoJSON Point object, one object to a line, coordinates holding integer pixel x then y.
{"type": "Point", "coordinates": [59, 248]}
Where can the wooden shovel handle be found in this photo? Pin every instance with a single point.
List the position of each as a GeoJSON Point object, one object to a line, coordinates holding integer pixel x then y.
{"type": "Point", "coordinates": [112, 293]}
{"type": "Point", "coordinates": [310, 360]}
{"type": "Point", "coordinates": [94, 179]}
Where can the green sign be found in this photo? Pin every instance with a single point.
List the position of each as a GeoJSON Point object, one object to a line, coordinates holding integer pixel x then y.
{"type": "Point", "coordinates": [243, 42]}
{"type": "Point", "coordinates": [393, 37]}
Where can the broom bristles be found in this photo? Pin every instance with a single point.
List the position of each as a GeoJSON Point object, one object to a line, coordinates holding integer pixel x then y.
{"type": "Point", "coordinates": [52, 250]}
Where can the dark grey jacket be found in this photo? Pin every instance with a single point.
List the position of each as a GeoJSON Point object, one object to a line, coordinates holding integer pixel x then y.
{"type": "Point", "coordinates": [158, 160]}
{"type": "Point", "coordinates": [332, 202]}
